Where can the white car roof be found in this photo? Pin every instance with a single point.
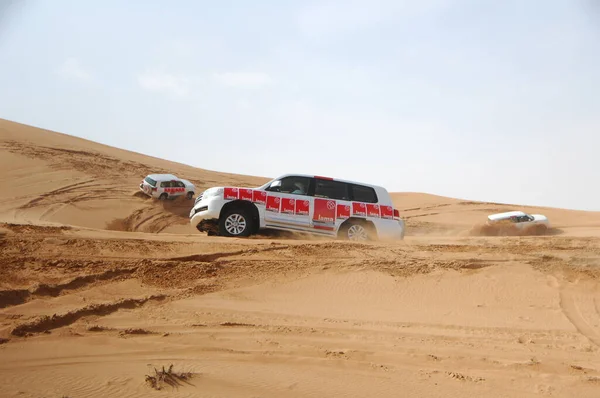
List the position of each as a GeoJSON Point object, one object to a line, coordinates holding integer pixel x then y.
{"type": "Point", "coordinates": [327, 178]}
{"type": "Point", "coordinates": [508, 214]}
{"type": "Point", "coordinates": [163, 177]}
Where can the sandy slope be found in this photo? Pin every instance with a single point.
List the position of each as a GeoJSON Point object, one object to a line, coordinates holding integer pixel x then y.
{"type": "Point", "coordinates": [98, 285]}
{"type": "Point", "coordinates": [67, 180]}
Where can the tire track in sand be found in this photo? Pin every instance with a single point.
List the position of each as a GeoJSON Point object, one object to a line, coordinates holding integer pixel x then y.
{"type": "Point", "coordinates": [45, 323]}
{"type": "Point", "coordinates": [59, 191]}
{"type": "Point", "coordinates": [571, 310]}
{"type": "Point", "coordinates": [19, 296]}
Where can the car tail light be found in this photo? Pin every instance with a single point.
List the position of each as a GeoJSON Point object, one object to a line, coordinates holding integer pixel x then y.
{"type": "Point", "coordinates": [396, 213]}
{"type": "Point", "coordinates": [153, 189]}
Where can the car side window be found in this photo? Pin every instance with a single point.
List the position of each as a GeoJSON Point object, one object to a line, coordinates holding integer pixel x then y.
{"type": "Point", "coordinates": [293, 185]}
{"type": "Point", "coordinates": [165, 184]}
{"type": "Point", "coordinates": [361, 193]}
{"type": "Point", "coordinates": [180, 184]}
{"type": "Point", "coordinates": [331, 189]}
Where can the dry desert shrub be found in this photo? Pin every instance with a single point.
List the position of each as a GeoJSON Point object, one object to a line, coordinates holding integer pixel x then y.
{"type": "Point", "coordinates": [168, 377]}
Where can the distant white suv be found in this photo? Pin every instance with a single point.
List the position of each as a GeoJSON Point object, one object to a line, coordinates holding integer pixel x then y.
{"type": "Point", "coordinates": [167, 186]}
{"type": "Point", "coordinates": [519, 219]}
{"type": "Point", "coordinates": [302, 203]}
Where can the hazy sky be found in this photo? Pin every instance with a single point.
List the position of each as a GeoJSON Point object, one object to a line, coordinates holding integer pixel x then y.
{"type": "Point", "coordinates": [477, 99]}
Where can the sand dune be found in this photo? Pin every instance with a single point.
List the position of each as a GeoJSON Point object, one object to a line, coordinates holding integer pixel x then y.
{"type": "Point", "coordinates": [68, 180]}
{"type": "Point", "coordinates": [98, 285]}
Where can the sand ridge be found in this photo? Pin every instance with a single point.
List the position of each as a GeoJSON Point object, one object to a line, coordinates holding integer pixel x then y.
{"type": "Point", "coordinates": [100, 285]}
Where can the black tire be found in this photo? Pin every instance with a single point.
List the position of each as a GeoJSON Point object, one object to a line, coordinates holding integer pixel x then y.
{"type": "Point", "coordinates": [163, 196]}
{"type": "Point", "coordinates": [231, 220]}
{"type": "Point", "coordinates": [190, 195]}
{"type": "Point", "coordinates": [356, 230]}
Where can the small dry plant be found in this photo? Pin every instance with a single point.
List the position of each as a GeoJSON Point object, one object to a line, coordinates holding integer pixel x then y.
{"type": "Point", "coordinates": [168, 377]}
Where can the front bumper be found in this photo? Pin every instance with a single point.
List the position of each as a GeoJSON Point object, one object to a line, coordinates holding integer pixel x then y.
{"type": "Point", "coordinates": [205, 210]}
{"type": "Point", "coordinates": [145, 191]}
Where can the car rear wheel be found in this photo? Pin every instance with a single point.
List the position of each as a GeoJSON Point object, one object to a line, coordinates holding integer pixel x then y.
{"type": "Point", "coordinates": [190, 195]}
{"type": "Point", "coordinates": [235, 222]}
{"type": "Point", "coordinates": [356, 231]}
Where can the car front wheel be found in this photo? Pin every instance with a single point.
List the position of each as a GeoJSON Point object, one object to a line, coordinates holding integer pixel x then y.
{"type": "Point", "coordinates": [235, 222]}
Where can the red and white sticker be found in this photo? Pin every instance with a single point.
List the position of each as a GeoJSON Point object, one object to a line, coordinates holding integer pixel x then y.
{"type": "Point", "coordinates": [246, 194]}
{"type": "Point", "coordinates": [372, 210]}
{"type": "Point", "coordinates": [273, 203]}
{"type": "Point", "coordinates": [359, 209]}
{"type": "Point", "coordinates": [259, 197]}
{"type": "Point", "coordinates": [324, 214]}
{"type": "Point", "coordinates": [174, 190]}
{"type": "Point", "coordinates": [387, 212]}
{"type": "Point", "coordinates": [302, 207]}
{"type": "Point", "coordinates": [230, 193]}
{"type": "Point", "coordinates": [343, 211]}
{"type": "Point", "coordinates": [288, 205]}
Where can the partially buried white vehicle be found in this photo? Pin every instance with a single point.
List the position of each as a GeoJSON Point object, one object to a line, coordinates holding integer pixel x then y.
{"type": "Point", "coordinates": [519, 219]}
{"type": "Point", "coordinates": [301, 203]}
{"type": "Point", "coordinates": [167, 186]}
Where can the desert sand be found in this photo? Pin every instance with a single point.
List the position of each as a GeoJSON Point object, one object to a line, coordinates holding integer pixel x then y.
{"type": "Point", "coordinates": [100, 285]}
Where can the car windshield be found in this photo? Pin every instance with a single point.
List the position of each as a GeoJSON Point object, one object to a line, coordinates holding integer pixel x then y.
{"type": "Point", "coordinates": [266, 185]}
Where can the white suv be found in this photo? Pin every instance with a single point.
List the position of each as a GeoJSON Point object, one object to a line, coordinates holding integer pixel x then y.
{"type": "Point", "coordinates": [519, 218]}
{"type": "Point", "coordinates": [167, 186]}
{"type": "Point", "coordinates": [303, 203]}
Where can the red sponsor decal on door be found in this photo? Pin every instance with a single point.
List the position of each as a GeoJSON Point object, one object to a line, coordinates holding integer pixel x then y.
{"type": "Point", "coordinates": [288, 205]}
{"type": "Point", "coordinates": [324, 214]}
{"type": "Point", "coordinates": [230, 193]}
{"type": "Point", "coordinates": [343, 211]}
{"type": "Point", "coordinates": [273, 203]}
{"type": "Point", "coordinates": [359, 209]}
{"type": "Point", "coordinates": [259, 197]}
{"type": "Point", "coordinates": [246, 194]}
{"type": "Point", "coordinates": [302, 207]}
{"type": "Point", "coordinates": [387, 212]}
{"type": "Point", "coordinates": [174, 190]}
{"type": "Point", "coordinates": [372, 210]}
